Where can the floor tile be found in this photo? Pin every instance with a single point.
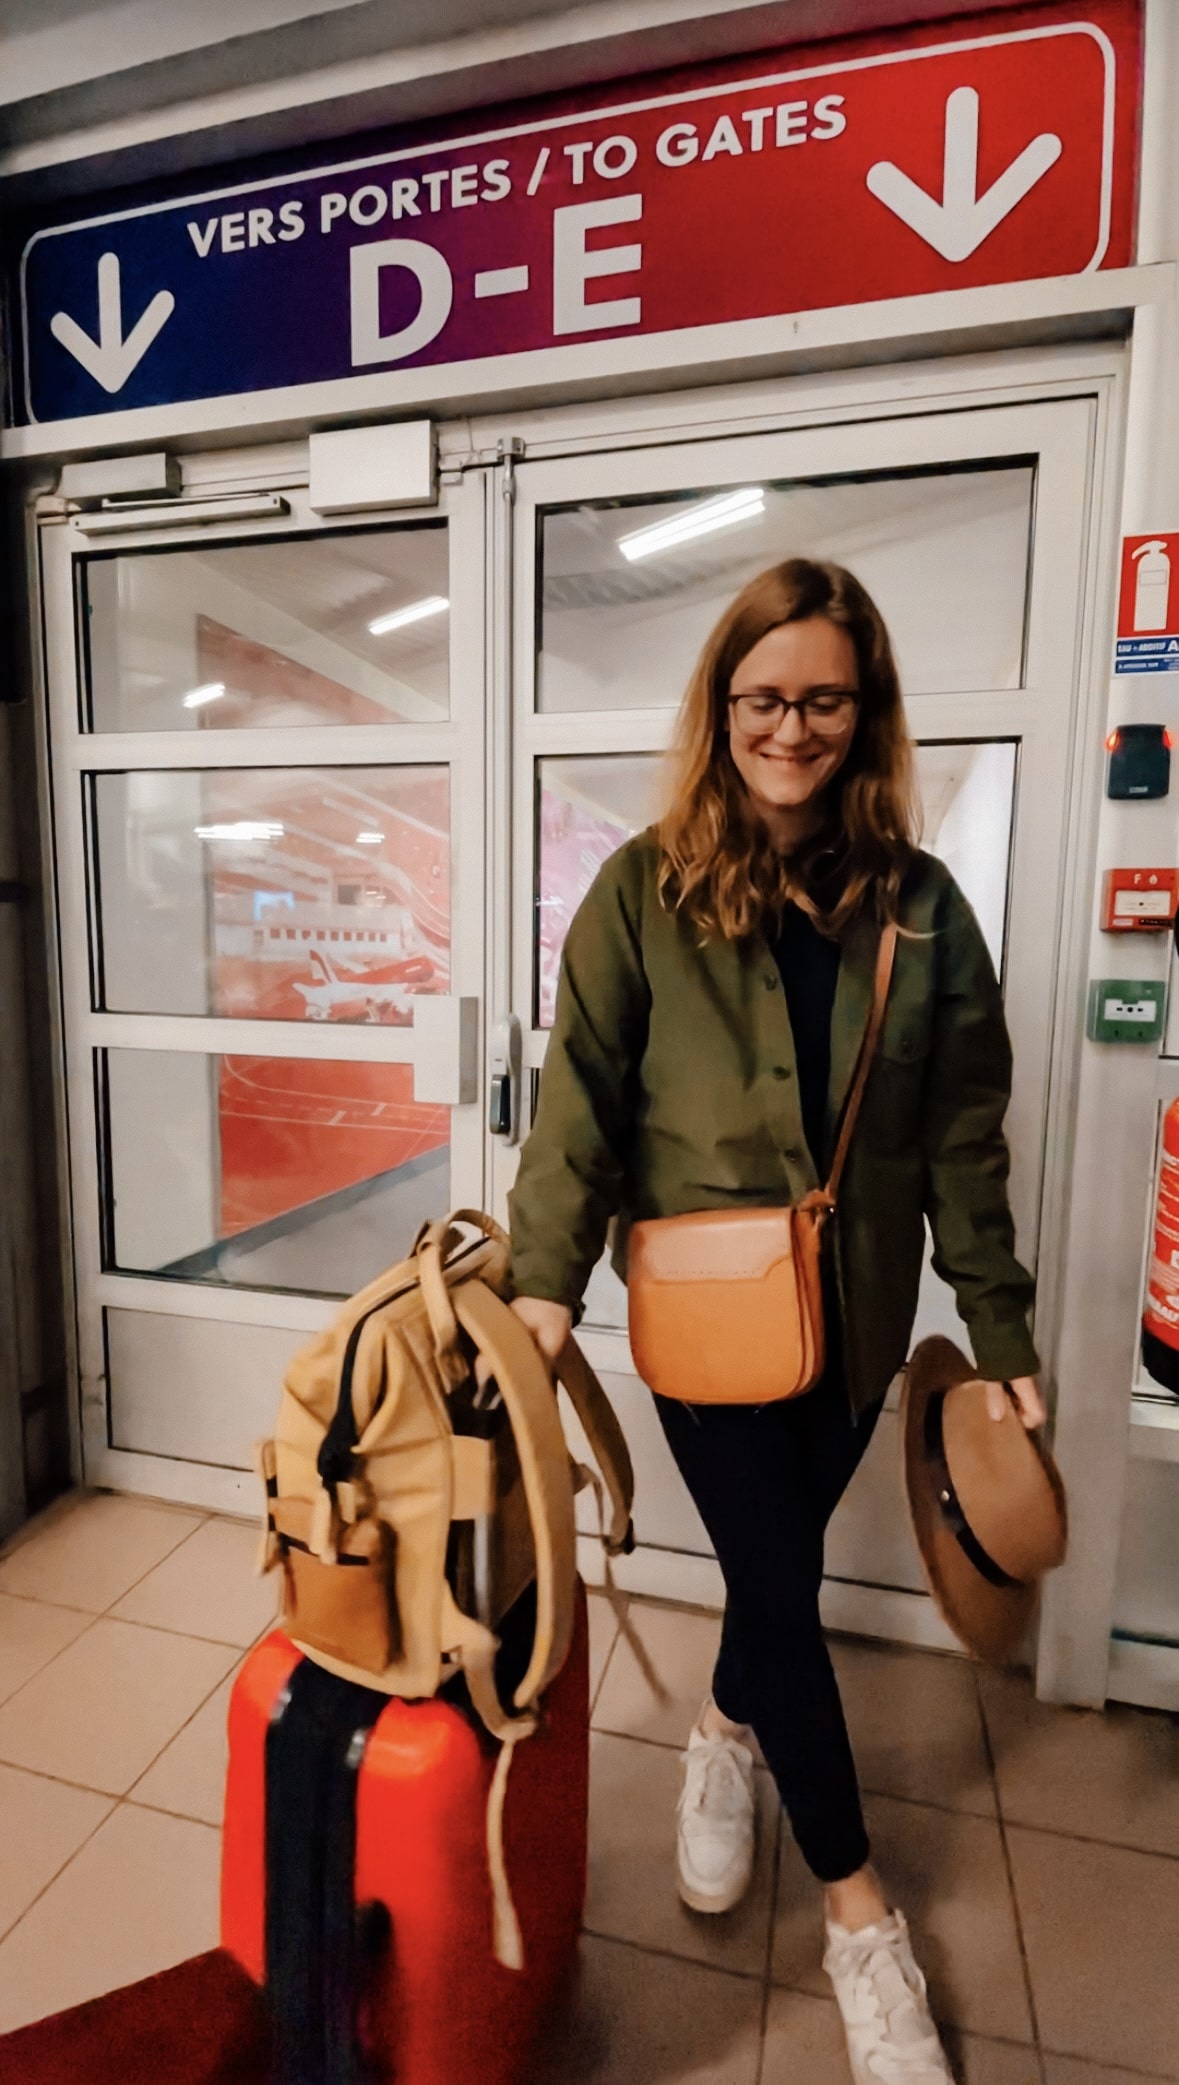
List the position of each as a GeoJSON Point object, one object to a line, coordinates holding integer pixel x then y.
{"type": "Point", "coordinates": [804, 2041]}
{"type": "Point", "coordinates": [91, 1552]}
{"type": "Point", "coordinates": [805, 2046]}
{"type": "Point", "coordinates": [209, 1586]}
{"type": "Point", "coordinates": [980, 2062]}
{"type": "Point", "coordinates": [189, 1776]}
{"type": "Point", "coordinates": [682, 1648]}
{"type": "Point", "coordinates": [916, 1726]}
{"type": "Point", "coordinates": [1101, 1927]}
{"type": "Point", "coordinates": [948, 1873]}
{"type": "Point", "coordinates": [109, 1703]}
{"type": "Point", "coordinates": [42, 1825]}
{"type": "Point", "coordinates": [1113, 1775]}
{"type": "Point", "coordinates": [1068, 2070]}
{"type": "Point", "coordinates": [645, 2020]}
{"type": "Point", "coordinates": [632, 1896]}
{"type": "Point", "coordinates": [141, 1895]}
{"type": "Point", "coordinates": [31, 1633]}
{"type": "Point", "coordinates": [603, 1629]}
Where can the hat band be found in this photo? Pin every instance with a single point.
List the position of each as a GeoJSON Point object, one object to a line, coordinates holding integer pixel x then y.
{"type": "Point", "coordinates": [950, 1504]}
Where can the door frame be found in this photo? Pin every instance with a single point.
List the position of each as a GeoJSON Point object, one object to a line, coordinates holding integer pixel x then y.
{"type": "Point", "coordinates": [701, 412]}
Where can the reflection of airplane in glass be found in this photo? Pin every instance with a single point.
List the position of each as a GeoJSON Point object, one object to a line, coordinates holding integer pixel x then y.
{"type": "Point", "coordinates": [344, 991]}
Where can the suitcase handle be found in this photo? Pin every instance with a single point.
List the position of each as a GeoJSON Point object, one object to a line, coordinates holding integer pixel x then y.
{"type": "Point", "coordinates": [317, 1946]}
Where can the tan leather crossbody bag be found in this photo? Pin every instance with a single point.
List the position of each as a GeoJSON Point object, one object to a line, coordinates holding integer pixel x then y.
{"type": "Point", "coordinates": [726, 1307]}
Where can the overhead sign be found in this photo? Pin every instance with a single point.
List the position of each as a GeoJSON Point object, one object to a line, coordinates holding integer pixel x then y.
{"type": "Point", "coordinates": [868, 171]}
{"type": "Point", "coordinates": [1148, 605]}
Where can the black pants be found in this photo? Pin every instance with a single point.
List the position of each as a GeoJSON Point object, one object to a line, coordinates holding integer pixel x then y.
{"type": "Point", "coordinates": [766, 1480]}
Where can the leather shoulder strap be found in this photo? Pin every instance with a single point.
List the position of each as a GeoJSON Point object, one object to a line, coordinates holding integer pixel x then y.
{"type": "Point", "coordinates": [885, 958]}
{"type": "Point", "coordinates": [599, 1423]}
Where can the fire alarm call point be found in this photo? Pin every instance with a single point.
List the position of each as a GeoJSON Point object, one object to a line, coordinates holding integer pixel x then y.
{"type": "Point", "coordinates": [1139, 901]}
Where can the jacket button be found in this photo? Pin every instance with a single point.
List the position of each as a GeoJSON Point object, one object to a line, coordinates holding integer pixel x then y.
{"type": "Point", "coordinates": [770, 982]}
{"type": "Point", "coordinates": [781, 1071]}
{"type": "Point", "coordinates": [908, 1046]}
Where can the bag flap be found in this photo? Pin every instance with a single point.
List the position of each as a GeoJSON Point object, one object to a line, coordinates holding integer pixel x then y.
{"type": "Point", "coordinates": [716, 1245]}
{"type": "Point", "coordinates": [544, 1464]}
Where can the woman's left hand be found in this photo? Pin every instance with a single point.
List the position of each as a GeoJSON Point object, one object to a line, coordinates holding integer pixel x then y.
{"type": "Point", "coordinates": [1026, 1390]}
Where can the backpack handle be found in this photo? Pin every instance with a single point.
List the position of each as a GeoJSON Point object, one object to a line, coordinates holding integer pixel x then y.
{"type": "Point", "coordinates": [431, 1249]}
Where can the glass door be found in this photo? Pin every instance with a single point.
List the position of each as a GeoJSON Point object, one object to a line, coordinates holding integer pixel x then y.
{"type": "Point", "coordinates": [968, 528]}
{"type": "Point", "coordinates": [268, 775]}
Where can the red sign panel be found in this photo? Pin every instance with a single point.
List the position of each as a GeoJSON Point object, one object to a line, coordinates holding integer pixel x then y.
{"type": "Point", "coordinates": [1148, 605]}
{"type": "Point", "coordinates": [989, 151]}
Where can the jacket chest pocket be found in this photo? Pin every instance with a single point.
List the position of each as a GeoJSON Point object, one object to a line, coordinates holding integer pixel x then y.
{"type": "Point", "coordinates": [907, 1036]}
{"type": "Point", "coordinates": [896, 1085]}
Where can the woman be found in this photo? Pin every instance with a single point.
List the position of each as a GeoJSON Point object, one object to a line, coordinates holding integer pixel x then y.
{"type": "Point", "coordinates": [715, 988]}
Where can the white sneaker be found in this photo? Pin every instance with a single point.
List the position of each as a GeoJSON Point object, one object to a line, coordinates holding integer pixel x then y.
{"type": "Point", "coordinates": [891, 2038]}
{"type": "Point", "coordinates": [716, 1823]}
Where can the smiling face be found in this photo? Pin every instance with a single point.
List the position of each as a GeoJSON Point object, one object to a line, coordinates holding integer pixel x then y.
{"type": "Point", "coordinates": [787, 767]}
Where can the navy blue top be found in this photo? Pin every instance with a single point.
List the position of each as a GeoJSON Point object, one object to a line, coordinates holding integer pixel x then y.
{"type": "Point", "coordinates": [809, 965]}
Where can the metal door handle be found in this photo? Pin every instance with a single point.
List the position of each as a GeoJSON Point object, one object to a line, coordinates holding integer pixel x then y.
{"type": "Point", "coordinates": [503, 1108]}
{"type": "Point", "coordinates": [499, 1106]}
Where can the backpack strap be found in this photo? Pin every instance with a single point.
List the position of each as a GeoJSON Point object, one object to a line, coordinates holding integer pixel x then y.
{"type": "Point", "coordinates": [590, 1402]}
{"type": "Point", "coordinates": [527, 1393]}
{"type": "Point", "coordinates": [599, 1423]}
{"type": "Point", "coordinates": [477, 1648]}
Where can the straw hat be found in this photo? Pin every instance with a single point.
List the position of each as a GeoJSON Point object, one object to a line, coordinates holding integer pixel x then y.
{"type": "Point", "coordinates": [987, 1502]}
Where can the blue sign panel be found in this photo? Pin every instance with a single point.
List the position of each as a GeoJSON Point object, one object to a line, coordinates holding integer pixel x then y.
{"type": "Point", "coordinates": [186, 301]}
{"type": "Point", "coordinates": [1147, 655]}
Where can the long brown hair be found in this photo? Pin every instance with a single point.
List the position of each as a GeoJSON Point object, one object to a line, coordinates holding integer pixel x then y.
{"type": "Point", "coordinates": [719, 865]}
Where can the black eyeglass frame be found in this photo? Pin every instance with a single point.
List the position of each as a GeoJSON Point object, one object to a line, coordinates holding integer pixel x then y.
{"type": "Point", "coordinates": [802, 703]}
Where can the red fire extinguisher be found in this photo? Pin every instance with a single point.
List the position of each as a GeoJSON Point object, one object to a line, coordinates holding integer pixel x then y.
{"type": "Point", "coordinates": [1160, 1321]}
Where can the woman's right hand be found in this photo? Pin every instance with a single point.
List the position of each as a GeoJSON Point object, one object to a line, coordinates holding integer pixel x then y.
{"type": "Point", "coordinates": [549, 1323]}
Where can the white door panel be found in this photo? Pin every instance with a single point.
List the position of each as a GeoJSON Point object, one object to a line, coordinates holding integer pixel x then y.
{"type": "Point", "coordinates": [969, 530]}
{"type": "Point", "coordinates": [270, 791]}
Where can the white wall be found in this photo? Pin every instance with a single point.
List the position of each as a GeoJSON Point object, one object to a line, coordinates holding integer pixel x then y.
{"type": "Point", "coordinates": [1117, 1096]}
{"type": "Point", "coordinates": [94, 94]}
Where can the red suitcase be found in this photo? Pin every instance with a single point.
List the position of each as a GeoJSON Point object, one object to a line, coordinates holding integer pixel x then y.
{"type": "Point", "coordinates": [435, 2007]}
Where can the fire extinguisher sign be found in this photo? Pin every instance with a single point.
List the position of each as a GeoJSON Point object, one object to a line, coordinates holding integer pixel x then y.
{"type": "Point", "coordinates": [1148, 605]}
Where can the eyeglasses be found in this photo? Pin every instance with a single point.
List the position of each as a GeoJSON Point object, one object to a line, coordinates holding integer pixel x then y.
{"type": "Point", "coordinates": [761, 713]}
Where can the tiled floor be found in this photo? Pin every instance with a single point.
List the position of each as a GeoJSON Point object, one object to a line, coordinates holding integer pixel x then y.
{"type": "Point", "coordinates": [1036, 1850]}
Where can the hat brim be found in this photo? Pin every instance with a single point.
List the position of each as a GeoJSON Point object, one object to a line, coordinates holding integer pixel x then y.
{"type": "Point", "coordinates": [989, 1620]}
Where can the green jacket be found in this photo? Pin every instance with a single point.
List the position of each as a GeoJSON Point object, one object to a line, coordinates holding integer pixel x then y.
{"type": "Point", "coordinates": [670, 1086]}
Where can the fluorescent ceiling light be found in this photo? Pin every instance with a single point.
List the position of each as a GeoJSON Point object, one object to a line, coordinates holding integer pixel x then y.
{"type": "Point", "coordinates": [416, 612]}
{"type": "Point", "coordinates": [690, 522]}
{"type": "Point", "coordinates": [209, 691]}
{"type": "Point", "coordinates": [369, 839]}
{"type": "Point", "coordinates": [240, 829]}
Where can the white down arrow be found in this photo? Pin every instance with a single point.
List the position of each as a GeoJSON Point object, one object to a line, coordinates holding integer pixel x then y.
{"type": "Point", "coordinates": [959, 223]}
{"type": "Point", "coordinates": [111, 358]}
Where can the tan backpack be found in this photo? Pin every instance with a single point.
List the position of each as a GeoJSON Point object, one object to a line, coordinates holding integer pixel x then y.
{"type": "Point", "coordinates": [412, 1495]}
